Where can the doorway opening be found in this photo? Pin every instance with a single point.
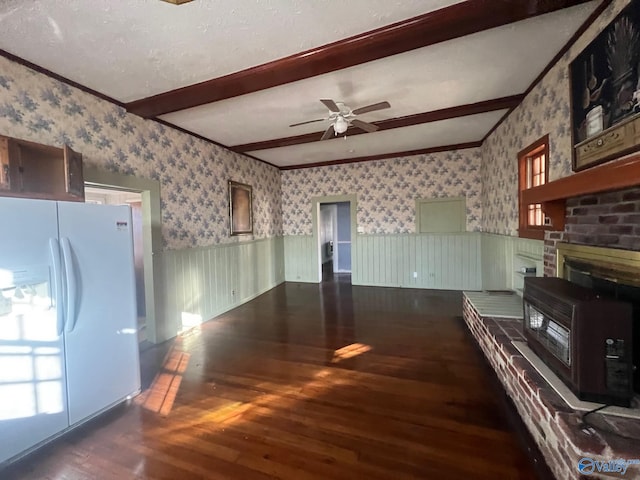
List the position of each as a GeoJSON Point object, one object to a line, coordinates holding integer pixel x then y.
{"type": "Point", "coordinates": [335, 241]}
{"type": "Point", "coordinates": [117, 196]}
{"type": "Point", "coordinates": [334, 229]}
{"type": "Point", "coordinates": [155, 330]}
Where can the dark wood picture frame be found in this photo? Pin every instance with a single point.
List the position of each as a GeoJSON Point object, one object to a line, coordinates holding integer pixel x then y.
{"type": "Point", "coordinates": [605, 92]}
{"type": "Point", "coordinates": [240, 208]}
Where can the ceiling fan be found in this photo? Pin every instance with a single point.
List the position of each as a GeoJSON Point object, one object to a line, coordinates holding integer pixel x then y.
{"type": "Point", "coordinates": [341, 117]}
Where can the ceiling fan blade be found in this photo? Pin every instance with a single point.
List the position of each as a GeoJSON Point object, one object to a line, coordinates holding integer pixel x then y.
{"type": "Point", "coordinates": [331, 105]}
{"type": "Point", "coordinates": [310, 121]}
{"type": "Point", "coordinates": [371, 108]}
{"type": "Point", "coordinates": [328, 133]}
{"type": "Point", "coordinates": [367, 127]}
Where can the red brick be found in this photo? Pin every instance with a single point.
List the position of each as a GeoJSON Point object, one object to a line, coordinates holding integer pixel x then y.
{"type": "Point", "coordinates": [588, 219]}
{"type": "Point", "coordinates": [623, 208]}
{"type": "Point", "coordinates": [611, 197]}
{"type": "Point", "coordinates": [621, 229]}
{"type": "Point", "coordinates": [632, 219]}
{"type": "Point", "coordinates": [609, 219]}
{"type": "Point", "coordinates": [557, 457]}
{"type": "Point", "coordinates": [579, 238]}
{"type": "Point", "coordinates": [631, 195]}
{"type": "Point", "coordinates": [630, 243]}
{"type": "Point", "coordinates": [569, 426]}
{"type": "Point", "coordinates": [607, 239]}
{"type": "Point", "coordinates": [525, 387]}
{"type": "Point", "coordinates": [584, 228]}
{"type": "Point", "coordinates": [591, 200]}
{"type": "Point", "coordinates": [578, 211]}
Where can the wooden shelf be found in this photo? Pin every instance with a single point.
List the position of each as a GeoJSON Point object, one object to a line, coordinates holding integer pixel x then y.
{"type": "Point", "coordinates": [615, 175]}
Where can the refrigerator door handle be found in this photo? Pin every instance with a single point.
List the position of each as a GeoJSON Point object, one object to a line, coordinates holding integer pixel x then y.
{"type": "Point", "coordinates": [70, 277]}
{"type": "Point", "coordinates": [54, 249]}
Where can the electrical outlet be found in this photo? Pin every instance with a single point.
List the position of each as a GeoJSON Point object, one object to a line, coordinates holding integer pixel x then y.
{"type": "Point", "coordinates": [233, 292]}
{"type": "Point", "coordinates": [415, 274]}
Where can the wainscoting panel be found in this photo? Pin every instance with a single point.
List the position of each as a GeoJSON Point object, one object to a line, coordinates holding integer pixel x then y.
{"type": "Point", "coordinates": [198, 284]}
{"type": "Point", "coordinates": [300, 258]}
{"type": "Point", "coordinates": [497, 261]}
{"type": "Point", "coordinates": [498, 253]}
{"type": "Point", "coordinates": [464, 261]}
{"type": "Point", "coordinates": [440, 261]}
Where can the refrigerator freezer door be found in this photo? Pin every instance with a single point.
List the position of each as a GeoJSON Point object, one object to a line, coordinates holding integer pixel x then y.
{"type": "Point", "coordinates": [101, 338]}
{"type": "Point", "coordinates": [32, 370]}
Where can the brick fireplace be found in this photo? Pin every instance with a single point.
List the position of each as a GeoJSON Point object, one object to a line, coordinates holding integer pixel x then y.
{"type": "Point", "coordinates": [597, 207]}
{"type": "Point", "coordinates": [608, 219]}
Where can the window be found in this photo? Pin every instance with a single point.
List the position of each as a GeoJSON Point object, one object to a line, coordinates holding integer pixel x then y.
{"type": "Point", "coordinates": [533, 168]}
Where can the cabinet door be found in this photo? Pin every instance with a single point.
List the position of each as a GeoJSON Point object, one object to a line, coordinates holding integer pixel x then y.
{"type": "Point", "coordinates": [5, 177]}
{"type": "Point", "coordinates": [73, 171]}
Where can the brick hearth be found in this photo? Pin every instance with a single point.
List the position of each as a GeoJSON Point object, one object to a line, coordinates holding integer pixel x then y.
{"type": "Point", "coordinates": [557, 429]}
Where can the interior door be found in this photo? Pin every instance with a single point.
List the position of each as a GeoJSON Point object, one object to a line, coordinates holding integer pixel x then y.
{"type": "Point", "coordinates": [100, 330]}
{"type": "Point", "coordinates": [32, 370]}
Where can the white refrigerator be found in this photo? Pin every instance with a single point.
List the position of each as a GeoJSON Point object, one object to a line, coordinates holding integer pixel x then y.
{"type": "Point", "coordinates": [68, 320]}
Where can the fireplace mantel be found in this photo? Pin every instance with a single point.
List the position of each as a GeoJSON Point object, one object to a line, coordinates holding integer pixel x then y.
{"type": "Point", "coordinates": [615, 175]}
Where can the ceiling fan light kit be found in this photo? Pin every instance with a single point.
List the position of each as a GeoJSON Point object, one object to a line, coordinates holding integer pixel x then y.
{"type": "Point", "coordinates": [342, 117]}
{"type": "Point", "coordinates": [341, 125]}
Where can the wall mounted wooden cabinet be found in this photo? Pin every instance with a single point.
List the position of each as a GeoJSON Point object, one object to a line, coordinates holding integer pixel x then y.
{"type": "Point", "coordinates": [33, 170]}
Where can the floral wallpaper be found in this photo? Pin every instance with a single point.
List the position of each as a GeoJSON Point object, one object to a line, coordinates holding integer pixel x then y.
{"type": "Point", "coordinates": [193, 173]}
{"type": "Point", "coordinates": [544, 110]}
{"type": "Point", "coordinates": [386, 190]}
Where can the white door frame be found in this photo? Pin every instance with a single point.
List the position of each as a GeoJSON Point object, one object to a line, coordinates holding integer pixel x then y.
{"type": "Point", "coordinates": [315, 211]}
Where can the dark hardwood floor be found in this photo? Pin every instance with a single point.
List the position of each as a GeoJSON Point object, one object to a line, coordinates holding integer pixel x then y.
{"type": "Point", "coordinates": [307, 381]}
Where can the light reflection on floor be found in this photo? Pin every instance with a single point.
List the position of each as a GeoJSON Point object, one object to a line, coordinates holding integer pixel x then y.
{"type": "Point", "coordinates": [285, 394]}
{"type": "Point", "coordinates": [160, 396]}
{"type": "Point", "coordinates": [350, 351]}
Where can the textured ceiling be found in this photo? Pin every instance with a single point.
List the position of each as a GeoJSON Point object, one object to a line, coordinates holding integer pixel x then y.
{"type": "Point", "coordinates": [466, 70]}
{"type": "Point", "coordinates": [427, 135]}
{"type": "Point", "coordinates": [139, 48]}
{"type": "Point", "coordinates": [134, 49]}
